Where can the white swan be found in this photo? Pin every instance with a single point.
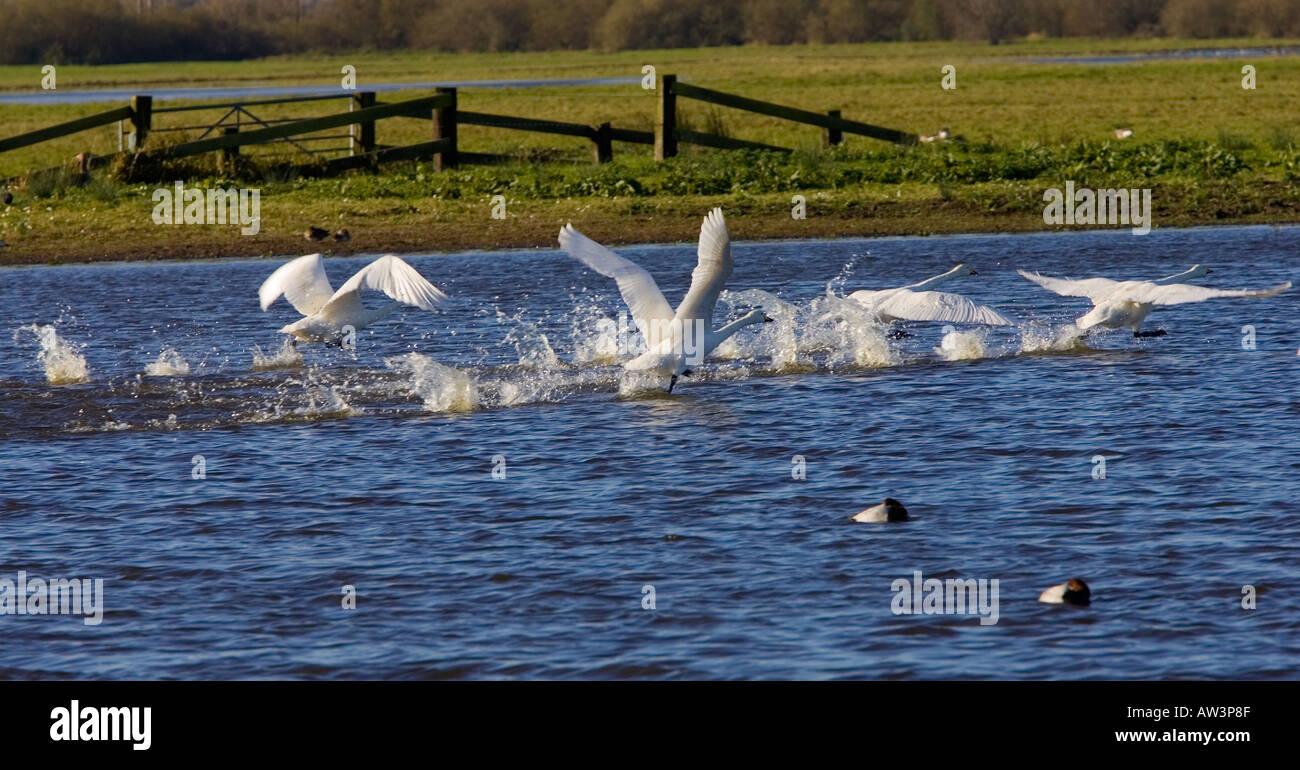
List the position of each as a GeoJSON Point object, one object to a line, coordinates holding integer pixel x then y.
{"type": "Point", "coordinates": [1125, 304]}
{"type": "Point", "coordinates": [677, 340]}
{"type": "Point", "coordinates": [304, 284]}
{"type": "Point", "coordinates": [919, 303]}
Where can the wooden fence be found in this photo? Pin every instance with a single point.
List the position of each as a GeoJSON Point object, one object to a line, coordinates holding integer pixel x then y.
{"type": "Point", "coordinates": [445, 117]}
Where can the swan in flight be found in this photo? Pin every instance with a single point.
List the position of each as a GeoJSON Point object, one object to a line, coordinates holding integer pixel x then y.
{"type": "Point", "coordinates": [327, 312]}
{"type": "Point", "coordinates": [1125, 304]}
{"type": "Point", "coordinates": [919, 302]}
{"type": "Point", "coordinates": [675, 341]}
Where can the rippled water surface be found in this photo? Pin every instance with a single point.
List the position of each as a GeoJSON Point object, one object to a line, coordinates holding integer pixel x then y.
{"type": "Point", "coordinates": [373, 468]}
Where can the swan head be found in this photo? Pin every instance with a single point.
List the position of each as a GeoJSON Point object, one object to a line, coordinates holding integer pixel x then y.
{"type": "Point", "coordinates": [1074, 591]}
{"type": "Point", "coordinates": [1197, 271]}
{"type": "Point", "coordinates": [756, 316]}
{"type": "Point", "coordinates": [962, 269]}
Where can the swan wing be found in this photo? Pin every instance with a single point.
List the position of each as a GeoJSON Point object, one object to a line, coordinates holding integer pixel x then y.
{"type": "Point", "coordinates": [394, 277]}
{"type": "Point", "coordinates": [1092, 288]}
{"type": "Point", "coordinates": [939, 306]}
{"type": "Point", "coordinates": [301, 281]}
{"type": "Point", "coordinates": [638, 287]}
{"type": "Point", "coordinates": [711, 271]}
{"type": "Point", "coordinates": [1180, 293]}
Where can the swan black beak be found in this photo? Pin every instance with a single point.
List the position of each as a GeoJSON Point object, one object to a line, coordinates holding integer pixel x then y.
{"type": "Point", "coordinates": [767, 319]}
{"type": "Point", "coordinates": [974, 272]}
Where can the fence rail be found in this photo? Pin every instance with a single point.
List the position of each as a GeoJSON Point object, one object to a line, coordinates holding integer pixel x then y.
{"type": "Point", "coordinates": [441, 109]}
{"type": "Point", "coordinates": [63, 129]}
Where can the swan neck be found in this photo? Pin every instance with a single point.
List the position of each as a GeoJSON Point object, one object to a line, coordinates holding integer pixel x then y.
{"type": "Point", "coordinates": [1183, 277]}
{"type": "Point", "coordinates": [717, 337]}
{"type": "Point", "coordinates": [930, 283]}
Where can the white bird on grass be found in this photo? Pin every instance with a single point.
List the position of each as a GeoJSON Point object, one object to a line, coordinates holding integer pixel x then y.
{"type": "Point", "coordinates": [675, 340]}
{"type": "Point", "coordinates": [919, 303]}
{"type": "Point", "coordinates": [1125, 304]}
{"type": "Point", "coordinates": [327, 312]}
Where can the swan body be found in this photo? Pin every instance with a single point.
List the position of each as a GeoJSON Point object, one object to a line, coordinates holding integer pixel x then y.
{"type": "Point", "coordinates": [675, 340]}
{"type": "Point", "coordinates": [888, 510]}
{"type": "Point", "coordinates": [1126, 304]}
{"type": "Point", "coordinates": [326, 312]}
{"type": "Point", "coordinates": [919, 302]}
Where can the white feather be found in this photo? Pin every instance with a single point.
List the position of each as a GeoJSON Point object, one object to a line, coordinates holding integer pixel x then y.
{"type": "Point", "coordinates": [325, 312]}
{"type": "Point", "coordinates": [301, 281]}
{"type": "Point", "coordinates": [918, 302]}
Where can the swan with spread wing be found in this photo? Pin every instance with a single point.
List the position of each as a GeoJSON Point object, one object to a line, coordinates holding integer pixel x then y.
{"type": "Point", "coordinates": [1126, 304]}
{"type": "Point", "coordinates": [327, 313]}
{"type": "Point", "coordinates": [675, 340]}
{"type": "Point", "coordinates": [919, 302]}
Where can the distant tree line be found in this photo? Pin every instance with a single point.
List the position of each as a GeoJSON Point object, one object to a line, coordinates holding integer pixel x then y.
{"type": "Point", "coordinates": [108, 31]}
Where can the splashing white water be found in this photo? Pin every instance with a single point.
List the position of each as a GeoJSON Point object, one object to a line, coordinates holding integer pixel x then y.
{"type": "Point", "coordinates": [325, 401]}
{"type": "Point", "coordinates": [778, 340]}
{"type": "Point", "coordinates": [61, 360]}
{"type": "Point", "coordinates": [443, 388]}
{"type": "Point", "coordinates": [962, 346]}
{"type": "Point", "coordinates": [285, 357]}
{"type": "Point", "coordinates": [170, 363]}
{"type": "Point", "coordinates": [1048, 339]}
{"type": "Point", "coordinates": [534, 349]}
{"type": "Point", "coordinates": [850, 334]}
{"type": "Point", "coordinates": [599, 340]}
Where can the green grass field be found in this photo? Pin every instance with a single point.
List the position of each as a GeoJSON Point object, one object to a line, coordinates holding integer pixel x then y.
{"type": "Point", "coordinates": [1217, 151]}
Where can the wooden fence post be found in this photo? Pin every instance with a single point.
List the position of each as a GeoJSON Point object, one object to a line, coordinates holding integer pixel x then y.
{"type": "Point", "coordinates": [227, 161]}
{"type": "Point", "coordinates": [604, 150]}
{"type": "Point", "coordinates": [834, 136]}
{"type": "Point", "coordinates": [444, 127]}
{"type": "Point", "coordinates": [666, 119]}
{"type": "Point", "coordinates": [141, 120]}
{"type": "Point", "coordinates": [363, 134]}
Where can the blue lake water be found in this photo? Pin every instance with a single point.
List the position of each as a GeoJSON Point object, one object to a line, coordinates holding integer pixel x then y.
{"type": "Point", "coordinates": [268, 92]}
{"type": "Point", "coordinates": [373, 468]}
{"type": "Point", "coordinates": [1177, 53]}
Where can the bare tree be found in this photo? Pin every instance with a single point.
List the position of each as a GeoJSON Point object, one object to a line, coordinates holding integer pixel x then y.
{"type": "Point", "coordinates": [993, 20]}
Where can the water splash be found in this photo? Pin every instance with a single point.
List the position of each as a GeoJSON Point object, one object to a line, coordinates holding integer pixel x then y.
{"type": "Point", "coordinates": [443, 388]}
{"type": "Point", "coordinates": [962, 346]}
{"type": "Point", "coordinates": [62, 362]}
{"type": "Point", "coordinates": [534, 349]}
{"type": "Point", "coordinates": [285, 357]}
{"type": "Point", "coordinates": [599, 340]}
{"type": "Point", "coordinates": [778, 340]}
{"type": "Point", "coordinates": [850, 334]}
{"type": "Point", "coordinates": [325, 401]}
{"type": "Point", "coordinates": [1036, 338]}
{"type": "Point", "coordinates": [170, 363]}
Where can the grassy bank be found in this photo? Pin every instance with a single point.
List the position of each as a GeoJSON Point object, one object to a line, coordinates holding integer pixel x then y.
{"type": "Point", "coordinates": [1211, 151]}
